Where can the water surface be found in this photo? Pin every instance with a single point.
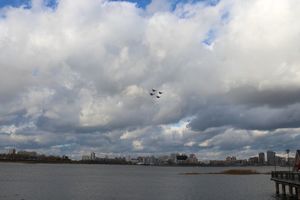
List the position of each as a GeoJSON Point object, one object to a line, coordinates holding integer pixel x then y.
{"type": "Point", "coordinates": [109, 182]}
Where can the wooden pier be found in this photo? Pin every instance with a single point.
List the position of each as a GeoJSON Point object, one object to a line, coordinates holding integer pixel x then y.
{"type": "Point", "coordinates": [288, 183]}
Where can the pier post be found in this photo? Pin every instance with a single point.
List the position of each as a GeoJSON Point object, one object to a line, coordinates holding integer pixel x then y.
{"type": "Point", "coordinates": [277, 188]}
{"type": "Point", "coordinates": [285, 179]}
{"type": "Point", "coordinates": [291, 190]}
{"type": "Point", "coordinates": [283, 189]}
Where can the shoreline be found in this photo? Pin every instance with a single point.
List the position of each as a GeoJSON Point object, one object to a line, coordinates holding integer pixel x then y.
{"type": "Point", "coordinates": [128, 164]}
{"type": "Point", "coordinates": [229, 172]}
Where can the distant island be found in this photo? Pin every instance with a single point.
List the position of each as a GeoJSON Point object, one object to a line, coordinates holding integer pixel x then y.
{"type": "Point", "coordinates": [229, 172]}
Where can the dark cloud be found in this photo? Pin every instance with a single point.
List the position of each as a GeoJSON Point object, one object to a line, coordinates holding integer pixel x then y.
{"type": "Point", "coordinates": [274, 97]}
{"type": "Point", "coordinates": [249, 118]}
{"type": "Point", "coordinates": [16, 117]}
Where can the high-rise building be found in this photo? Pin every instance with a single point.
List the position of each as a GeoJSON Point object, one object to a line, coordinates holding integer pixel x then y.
{"type": "Point", "coordinates": [192, 159]}
{"type": "Point", "coordinates": [173, 158]}
{"type": "Point", "coordinates": [230, 158]}
{"type": "Point", "coordinates": [271, 157]}
{"type": "Point", "coordinates": [12, 151]}
{"type": "Point", "coordinates": [261, 158]}
{"type": "Point", "coordinates": [93, 156]}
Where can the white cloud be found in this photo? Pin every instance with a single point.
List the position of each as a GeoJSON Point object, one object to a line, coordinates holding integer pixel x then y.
{"type": "Point", "coordinates": [137, 145]}
{"type": "Point", "coordinates": [87, 68]}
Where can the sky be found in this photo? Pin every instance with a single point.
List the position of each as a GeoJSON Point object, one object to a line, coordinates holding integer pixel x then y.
{"type": "Point", "coordinates": [76, 76]}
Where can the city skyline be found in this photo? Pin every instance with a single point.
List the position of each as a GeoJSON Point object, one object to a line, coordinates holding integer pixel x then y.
{"type": "Point", "coordinates": [173, 159]}
{"type": "Point", "coordinates": [261, 158]}
{"type": "Point", "coordinates": [76, 76]}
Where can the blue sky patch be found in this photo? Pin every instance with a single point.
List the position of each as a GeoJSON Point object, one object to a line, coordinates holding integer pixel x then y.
{"type": "Point", "coordinates": [210, 37]}
{"type": "Point", "coordinates": [26, 3]}
{"type": "Point", "coordinates": [15, 3]}
{"type": "Point", "coordinates": [212, 2]}
{"type": "Point", "coordinates": [225, 17]}
{"type": "Point", "coordinates": [145, 3]}
{"type": "Point", "coordinates": [51, 3]}
{"type": "Point", "coordinates": [139, 3]}
{"type": "Point", "coordinates": [206, 2]}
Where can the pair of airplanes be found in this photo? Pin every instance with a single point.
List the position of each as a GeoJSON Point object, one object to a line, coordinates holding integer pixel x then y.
{"type": "Point", "coordinates": [156, 93]}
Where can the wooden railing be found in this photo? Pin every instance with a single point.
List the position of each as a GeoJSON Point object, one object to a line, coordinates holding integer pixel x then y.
{"type": "Point", "coordinates": [286, 175]}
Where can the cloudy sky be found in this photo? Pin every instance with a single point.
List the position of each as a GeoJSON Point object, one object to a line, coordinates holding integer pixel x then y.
{"type": "Point", "coordinates": [76, 76]}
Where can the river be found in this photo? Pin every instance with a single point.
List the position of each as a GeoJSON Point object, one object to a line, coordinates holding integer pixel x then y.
{"type": "Point", "coordinates": [119, 182]}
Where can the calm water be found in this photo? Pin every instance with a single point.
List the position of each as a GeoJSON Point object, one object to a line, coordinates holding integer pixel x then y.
{"type": "Point", "coordinates": [109, 182]}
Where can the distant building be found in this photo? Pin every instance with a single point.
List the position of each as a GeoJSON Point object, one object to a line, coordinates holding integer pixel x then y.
{"type": "Point", "coordinates": [128, 158]}
{"type": "Point", "coordinates": [217, 162]}
{"type": "Point", "coordinates": [271, 157]}
{"type": "Point", "coordinates": [261, 158]}
{"type": "Point", "coordinates": [133, 161]}
{"type": "Point", "coordinates": [173, 158]}
{"type": "Point", "coordinates": [280, 161]}
{"type": "Point", "coordinates": [291, 161]}
{"type": "Point", "coordinates": [153, 160]}
{"type": "Point", "coordinates": [230, 158]}
{"type": "Point", "coordinates": [297, 161]}
{"type": "Point", "coordinates": [93, 156]}
{"type": "Point", "coordinates": [148, 160]}
{"type": "Point", "coordinates": [85, 157]}
{"type": "Point", "coordinates": [163, 160]}
{"type": "Point", "coordinates": [12, 151]}
{"type": "Point", "coordinates": [181, 158]}
{"type": "Point", "coordinates": [192, 159]}
{"type": "Point", "coordinates": [64, 157]}
{"type": "Point", "coordinates": [28, 153]}
{"type": "Point", "coordinates": [244, 162]}
{"type": "Point", "coordinates": [253, 160]}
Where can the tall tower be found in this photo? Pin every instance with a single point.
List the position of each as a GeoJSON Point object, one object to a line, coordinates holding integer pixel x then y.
{"type": "Point", "coordinates": [93, 156]}
{"type": "Point", "coordinates": [271, 157]}
{"type": "Point", "coordinates": [261, 158]}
